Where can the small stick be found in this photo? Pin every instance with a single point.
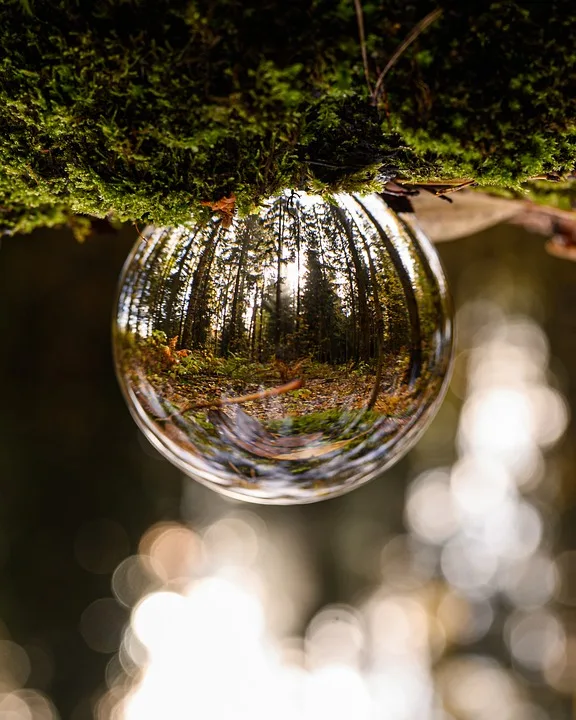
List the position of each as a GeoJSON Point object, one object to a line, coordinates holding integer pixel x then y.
{"type": "Point", "coordinates": [261, 395]}
{"type": "Point", "coordinates": [455, 188]}
{"type": "Point", "coordinates": [360, 19]}
{"type": "Point", "coordinates": [135, 224]}
{"type": "Point", "coordinates": [412, 35]}
{"type": "Point", "coordinates": [551, 177]}
{"type": "Point", "coordinates": [452, 182]}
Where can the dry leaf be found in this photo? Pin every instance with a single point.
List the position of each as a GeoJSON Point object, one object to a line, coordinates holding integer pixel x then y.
{"type": "Point", "coordinates": [225, 207]}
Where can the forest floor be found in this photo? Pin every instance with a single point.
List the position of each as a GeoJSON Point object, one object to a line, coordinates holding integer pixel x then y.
{"type": "Point", "coordinates": [302, 411]}
{"type": "Point", "coordinates": [306, 400]}
{"type": "Point", "coordinates": [311, 391]}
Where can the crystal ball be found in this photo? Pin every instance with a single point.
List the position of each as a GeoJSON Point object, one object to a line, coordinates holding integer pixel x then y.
{"type": "Point", "coordinates": [288, 356]}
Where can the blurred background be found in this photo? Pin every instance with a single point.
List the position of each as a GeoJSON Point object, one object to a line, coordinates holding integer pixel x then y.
{"type": "Point", "coordinates": [446, 590]}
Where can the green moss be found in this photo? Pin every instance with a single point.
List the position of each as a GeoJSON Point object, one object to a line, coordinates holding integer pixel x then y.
{"type": "Point", "coordinates": [145, 108]}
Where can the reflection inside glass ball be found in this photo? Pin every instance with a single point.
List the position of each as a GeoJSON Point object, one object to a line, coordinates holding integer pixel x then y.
{"type": "Point", "coordinates": [291, 356]}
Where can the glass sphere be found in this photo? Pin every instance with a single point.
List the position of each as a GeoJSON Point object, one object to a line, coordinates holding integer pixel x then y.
{"type": "Point", "coordinates": [291, 356]}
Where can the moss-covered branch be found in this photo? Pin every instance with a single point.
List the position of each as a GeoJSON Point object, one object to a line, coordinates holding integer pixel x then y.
{"type": "Point", "coordinates": [146, 108]}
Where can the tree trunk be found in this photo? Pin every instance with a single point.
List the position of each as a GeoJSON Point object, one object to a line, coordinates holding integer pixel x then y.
{"type": "Point", "coordinates": [363, 334]}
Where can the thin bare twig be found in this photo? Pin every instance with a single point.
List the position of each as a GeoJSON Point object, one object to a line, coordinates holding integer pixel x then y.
{"type": "Point", "coordinates": [438, 188]}
{"type": "Point", "coordinates": [455, 188]}
{"type": "Point", "coordinates": [412, 35]}
{"type": "Point", "coordinates": [360, 20]}
{"type": "Point", "coordinates": [138, 231]}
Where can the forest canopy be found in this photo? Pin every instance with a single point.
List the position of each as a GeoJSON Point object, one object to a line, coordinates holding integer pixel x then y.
{"type": "Point", "coordinates": [150, 110]}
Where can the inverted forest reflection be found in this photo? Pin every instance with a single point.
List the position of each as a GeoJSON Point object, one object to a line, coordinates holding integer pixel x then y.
{"type": "Point", "coordinates": [291, 356]}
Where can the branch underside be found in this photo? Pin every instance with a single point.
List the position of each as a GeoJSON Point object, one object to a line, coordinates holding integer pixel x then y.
{"type": "Point", "coordinates": [154, 111]}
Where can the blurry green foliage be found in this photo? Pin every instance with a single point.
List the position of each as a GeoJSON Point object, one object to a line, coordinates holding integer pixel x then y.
{"type": "Point", "coordinates": [142, 109]}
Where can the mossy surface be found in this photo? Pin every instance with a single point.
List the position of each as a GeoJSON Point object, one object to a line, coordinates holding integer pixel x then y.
{"type": "Point", "coordinates": [144, 109]}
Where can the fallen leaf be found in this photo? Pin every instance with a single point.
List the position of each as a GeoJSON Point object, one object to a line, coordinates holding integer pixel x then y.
{"type": "Point", "coordinates": [225, 207]}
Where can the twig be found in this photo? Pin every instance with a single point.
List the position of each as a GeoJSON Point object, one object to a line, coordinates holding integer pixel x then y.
{"type": "Point", "coordinates": [360, 20]}
{"type": "Point", "coordinates": [551, 177]}
{"type": "Point", "coordinates": [455, 188]}
{"type": "Point", "coordinates": [412, 35]}
{"type": "Point", "coordinates": [138, 231]}
{"type": "Point", "coordinates": [437, 188]}
{"type": "Point", "coordinates": [261, 395]}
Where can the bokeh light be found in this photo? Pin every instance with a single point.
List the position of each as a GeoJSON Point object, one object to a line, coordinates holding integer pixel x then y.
{"type": "Point", "coordinates": [202, 639]}
{"type": "Point", "coordinates": [18, 702]}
